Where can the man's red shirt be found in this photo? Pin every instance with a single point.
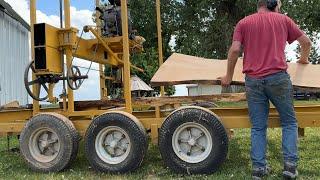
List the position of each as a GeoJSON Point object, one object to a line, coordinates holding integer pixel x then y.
{"type": "Point", "coordinates": [264, 36]}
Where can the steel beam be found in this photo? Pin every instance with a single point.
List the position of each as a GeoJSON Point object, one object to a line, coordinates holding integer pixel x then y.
{"type": "Point", "coordinates": [33, 21]}
{"type": "Point", "coordinates": [126, 56]}
{"type": "Point", "coordinates": [68, 51]}
{"type": "Point", "coordinates": [160, 46]}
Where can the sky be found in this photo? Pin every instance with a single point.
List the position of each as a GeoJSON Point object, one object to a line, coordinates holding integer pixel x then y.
{"type": "Point", "coordinates": [81, 15]}
{"type": "Point", "coordinates": [51, 7]}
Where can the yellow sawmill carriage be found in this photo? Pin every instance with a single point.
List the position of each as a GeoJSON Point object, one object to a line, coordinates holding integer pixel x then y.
{"type": "Point", "coordinates": [191, 139]}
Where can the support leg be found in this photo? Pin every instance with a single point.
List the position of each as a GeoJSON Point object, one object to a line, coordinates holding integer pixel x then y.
{"type": "Point", "coordinates": [301, 132]}
{"type": "Point", "coordinates": [8, 142]}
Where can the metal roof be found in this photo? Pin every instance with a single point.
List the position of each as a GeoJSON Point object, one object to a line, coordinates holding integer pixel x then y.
{"type": "Point", "coordinates": [6, 8]}
{"type": "Point", "coordinates": [138, 85]}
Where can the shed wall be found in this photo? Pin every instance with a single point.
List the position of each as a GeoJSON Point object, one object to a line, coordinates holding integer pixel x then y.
{"type": "Point", "coordinates": [14, 57]}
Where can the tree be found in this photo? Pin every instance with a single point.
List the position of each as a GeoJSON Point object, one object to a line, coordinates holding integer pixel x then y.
{"type": "Point", "coordinates": [143, 14]}
{"type": "Point", "coordinates": [315, 55]}
{"type": "Point", "coordinates": [307, 15]}
{"type": "Point", "coordinates": [204, 28]}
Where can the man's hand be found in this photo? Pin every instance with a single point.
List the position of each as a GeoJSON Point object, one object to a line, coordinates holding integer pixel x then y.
{"type": "Point", "coordinates": [303, 61]}
{"type": "Point", "coordinates": [225, 81]}
{"type": "Point", "coordinates": [233, 56]}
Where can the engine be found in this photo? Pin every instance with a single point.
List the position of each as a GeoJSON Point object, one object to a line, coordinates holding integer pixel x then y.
{"type": "Point", "coordinates": [111, 19]}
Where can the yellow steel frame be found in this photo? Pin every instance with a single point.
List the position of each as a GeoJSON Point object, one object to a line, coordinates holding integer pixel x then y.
{"type": "Point", "coordinates": [159, 31]}
{"type": "Point", "coordinates": [68, 41]}
{"type": "Point", "coordinates": [13, 121]}
{"type": "Point", "coordinates": [103, 88]}
{"type": "Point", "coordinates": [33, 20]}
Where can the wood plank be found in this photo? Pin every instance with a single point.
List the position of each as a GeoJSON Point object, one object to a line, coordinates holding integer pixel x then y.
{"type": "Point", "coordinates": [11, 105]}
{"type": "Point", "coordinates": [184, 69]}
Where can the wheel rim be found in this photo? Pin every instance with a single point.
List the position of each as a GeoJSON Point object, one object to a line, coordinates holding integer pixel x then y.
{"type": "Point", "coordinates": [39, 95]}
{"type": "Point", "coordinates": [74, 72]}
{"type": "Point", "coordinates": [44, 145]}
{"type": "Point", "coordinates": [192, 142]}
{"type": "Point", "coordinates": [112, 145]}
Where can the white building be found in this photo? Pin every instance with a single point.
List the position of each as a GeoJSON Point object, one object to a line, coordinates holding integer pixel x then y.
{"type": "Point", "coordinates": [14, 55]}
{"type": "Point", "coordinates": [203, 89]}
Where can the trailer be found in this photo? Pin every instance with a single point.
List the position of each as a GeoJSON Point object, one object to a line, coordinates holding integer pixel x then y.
{"type": "Point", "coordinates": [191, 139]}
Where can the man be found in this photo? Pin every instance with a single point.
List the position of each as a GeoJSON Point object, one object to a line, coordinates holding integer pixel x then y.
{"type": "Point", "coordinates": [263, 37]}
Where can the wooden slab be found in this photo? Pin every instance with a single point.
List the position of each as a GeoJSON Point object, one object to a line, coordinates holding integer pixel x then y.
{"type": "Point", "coordinates": [11, 105]}
{"type": "Point", "coordinates": [184, 69]}
{"type": "Point", "coordinates": [159, 101]}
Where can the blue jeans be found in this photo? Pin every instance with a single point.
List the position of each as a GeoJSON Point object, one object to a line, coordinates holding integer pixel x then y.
{"type": "Point", "coordinates": [278, 89]}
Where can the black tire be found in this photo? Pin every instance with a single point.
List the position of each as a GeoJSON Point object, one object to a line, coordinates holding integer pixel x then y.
{"type": "Point", "coordinates": [75, 136]}
{"type": "Point", "coordinates": [141, 127]}
{"type": "Point", "coordinates": [204, 118]}
{"type": "Point", "coordinates": [138, 142]}
{"type": "Point", "coordinates": [66, 138]}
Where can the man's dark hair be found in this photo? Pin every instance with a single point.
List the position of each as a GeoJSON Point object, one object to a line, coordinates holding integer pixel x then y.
{"type": "Point", "coordinates": [270, 4]}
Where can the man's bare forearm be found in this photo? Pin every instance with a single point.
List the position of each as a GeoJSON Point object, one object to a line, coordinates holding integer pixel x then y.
{"type": "Point", "coordinates": [233, 56]}
{"type": "Point", "coordinates": [305, 51]}
{"type": "Point", "coordinates": [232, 61]}
{"type": "Point", "coordinates": [305, 44]}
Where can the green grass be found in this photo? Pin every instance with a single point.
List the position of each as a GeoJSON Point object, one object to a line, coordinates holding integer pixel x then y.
{"type": "Point", "coordinates": [237, 165]}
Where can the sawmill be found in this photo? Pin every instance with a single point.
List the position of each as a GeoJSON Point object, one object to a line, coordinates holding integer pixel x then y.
{"type": "Point", "coordinates": [192, 139]}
